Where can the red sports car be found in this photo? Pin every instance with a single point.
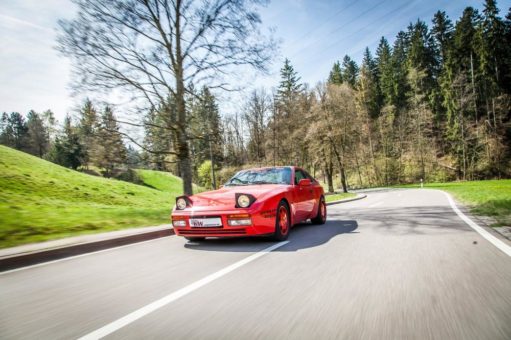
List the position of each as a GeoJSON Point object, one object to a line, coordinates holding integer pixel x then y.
{"type": "Point", "coordinates": [255, 202]}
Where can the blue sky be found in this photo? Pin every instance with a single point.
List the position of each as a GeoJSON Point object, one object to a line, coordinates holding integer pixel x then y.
{"type": "Point", "coordinates": [314, 35]}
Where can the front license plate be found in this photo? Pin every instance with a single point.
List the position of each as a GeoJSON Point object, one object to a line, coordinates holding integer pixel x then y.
{"type": "Point", "coordinates": [205, 222]}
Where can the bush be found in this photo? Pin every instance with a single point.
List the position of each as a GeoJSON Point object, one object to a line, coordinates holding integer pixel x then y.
{"type": "Point", "coordinates": [128, 175]}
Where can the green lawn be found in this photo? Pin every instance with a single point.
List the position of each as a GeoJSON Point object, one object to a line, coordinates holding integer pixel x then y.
{"type": "Point", "coordinates": [489, 198]}
{"type": "Point", "coordinates": [40, 200]}
{"type": "Point", "coordinates": [336, 197]}
{"type": "Point", "coordinates": [163, 181]}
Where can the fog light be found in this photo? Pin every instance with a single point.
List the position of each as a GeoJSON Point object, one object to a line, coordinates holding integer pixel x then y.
{"type": "Point", "coordinates": [239, 222]}
{"type": "Point", "coordinates": [179, 223]}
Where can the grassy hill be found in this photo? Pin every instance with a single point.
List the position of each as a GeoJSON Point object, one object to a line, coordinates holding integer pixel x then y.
{"type": "Point", "coordinates": [40, 200]}
{"type": "Point", "coordinates": [489, 198]}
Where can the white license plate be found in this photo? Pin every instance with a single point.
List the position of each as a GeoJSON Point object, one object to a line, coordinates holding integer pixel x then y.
{"type": "Point", "coordinates": [205, 222]}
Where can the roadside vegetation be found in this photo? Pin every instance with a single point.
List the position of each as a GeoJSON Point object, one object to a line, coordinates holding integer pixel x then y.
{"type": "Point", "coordinates": [488, 198]}
{"type": "Point", "coordinates": [41, 201]}
{"type": "Point", "coordinates": [337, 197]}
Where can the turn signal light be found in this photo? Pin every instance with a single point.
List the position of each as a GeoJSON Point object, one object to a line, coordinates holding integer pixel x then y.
{"type": "Point", "coordinates": [239, 222]}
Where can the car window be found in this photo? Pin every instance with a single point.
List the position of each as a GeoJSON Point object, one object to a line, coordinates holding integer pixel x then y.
{"type": "Point", "coordinates": [261, 176]}
{"type": "Point", "coordinates": [299, 175]}
{"type": "Point", "coordinates": [307, 175]}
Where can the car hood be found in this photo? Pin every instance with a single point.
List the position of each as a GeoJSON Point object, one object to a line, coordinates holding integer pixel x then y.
{"type": "Point", "coordinates": [224, 198]}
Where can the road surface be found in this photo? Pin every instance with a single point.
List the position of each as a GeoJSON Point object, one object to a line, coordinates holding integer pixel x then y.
{"type": "Point", "coordinates": [396, 265]}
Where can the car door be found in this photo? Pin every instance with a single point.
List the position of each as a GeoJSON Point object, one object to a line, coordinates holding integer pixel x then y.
{"type": "Point", "coordinates": [312, 197]}
{"type": "Point", "coordinates": [302, 197]}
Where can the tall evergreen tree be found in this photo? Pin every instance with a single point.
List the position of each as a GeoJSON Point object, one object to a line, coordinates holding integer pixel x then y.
{"type": "Point", "coordinates": [350, 71]}
{"type": "Point", "coordinates": [335, 76]}
{"type": "Point", "coordinates": [385, 71]}
{"type": "Point", "coordinates": [67, 149]}
{"type": "Point", "coordinates": [87, 129]}
{"type": "Point", "coordinates": [442, 31]}
{"type": "Point", "coordinates": [15, 131]}
{"type": "Point", "coordinates": [38, 139]}
{"type": "Point", "coordinates": [110, 151]}
{"type": "Point", "coordinates": [399, 55]}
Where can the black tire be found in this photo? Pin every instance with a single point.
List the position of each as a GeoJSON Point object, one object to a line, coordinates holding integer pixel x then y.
{"type": "Point", "coordinates": [196, 239]}
{"type": "Point", "coordinates": [320, 217]}
{"type": "Point", "coordinates": [281, 232]}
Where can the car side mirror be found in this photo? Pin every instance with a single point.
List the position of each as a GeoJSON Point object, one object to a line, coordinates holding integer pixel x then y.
{"type": "Point", "coordinates": [304, 182]}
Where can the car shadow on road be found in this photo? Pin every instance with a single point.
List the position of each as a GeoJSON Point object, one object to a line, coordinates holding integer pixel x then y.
{"type": "Point", "coordinates": [305, 235]}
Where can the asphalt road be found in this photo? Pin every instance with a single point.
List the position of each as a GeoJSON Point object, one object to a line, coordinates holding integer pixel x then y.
{"type": "Point", "coordinates": [396, 265]}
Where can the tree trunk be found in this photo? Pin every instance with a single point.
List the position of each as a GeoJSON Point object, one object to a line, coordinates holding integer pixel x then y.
{"type": "Point", "coordinates": [185, 164]}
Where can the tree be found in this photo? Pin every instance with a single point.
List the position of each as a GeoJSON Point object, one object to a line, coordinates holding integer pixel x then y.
{"type": "Point", "coordinates": [67, 149]}
{"type": "Point", "coordinates": [14, 131]}
{"type": "Point", "coordinates": [335, 76]}
{"type": "Point", "coordinates": [350, 71]}
{"type": "Point", "coordinates": [156, 48]}
{"type": "Point", "coordinates": [110, 151]}
{"type": "Point", "coordinates": [288, 110]}
{"type": "Point", "coordinates": [87, 129]}
{"type": "Point", "coordinates": [38, 139]}
{"type": "Point", "coordinates": [385, 71]}
{"type": "Point", "coordinates": [256, 115]}
{"type": "Point", "coordinates": [206, 127]}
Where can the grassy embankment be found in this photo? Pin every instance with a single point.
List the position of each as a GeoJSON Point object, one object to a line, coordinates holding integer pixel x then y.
{"type": "Point", "coordinates": [337, 197]}
{"type": "Point", "coordinates": [40, 200]}
{"type": "Point", "coordinates": [488, 198]}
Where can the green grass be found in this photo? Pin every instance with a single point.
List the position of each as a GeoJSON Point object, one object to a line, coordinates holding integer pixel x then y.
{"type": "Point", "coordinates": [40, 200]}
{"type": "Point", "coordinates": [336, 197]}
{"type": "Point", "coordinates": [488, 198]}
{"type": "Point", "coordinates": [163, 181]}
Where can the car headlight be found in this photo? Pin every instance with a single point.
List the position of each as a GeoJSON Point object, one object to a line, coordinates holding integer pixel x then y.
{"type": "Point", "coordinates": [182, 202]}
{"type": "Point", "coordinates": [244, 200]}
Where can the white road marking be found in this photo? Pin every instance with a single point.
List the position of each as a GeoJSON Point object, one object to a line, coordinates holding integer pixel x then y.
{"type": "Point", "coordinates": [126, 320]}
{"type": "Point", "coordinates": [375, 204]}
{"type": "Point", "coordinates": [81, 255]}
{"type": "Point", "coordinates": [495, 241]}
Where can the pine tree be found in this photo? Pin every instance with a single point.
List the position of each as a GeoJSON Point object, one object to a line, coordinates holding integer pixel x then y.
{"type": "Point", "coordinates": [38, 139]}
{"type": "Point", "coordinates": [350, 71]}
{"type": "Point", "coordinates": [87, 129]}
{"type": "Point", "coordinates": [205, 127]}
{"type": "Point", "coordinates": [442, 32]}
{"type": "Point", "coordinates": [385, 71]}
{"type": "Point", "coordinates": [335, 76]}
{"type": "Point", "coordinates": [399, 56]}
{"type": "Point", "coordinates": [67, 149]}
{"type": "Point", "coordinates": [14, 131]}
{"type": "Point", "coordinates": [369, 85]}
{"type": "Point", "coordinates": [110, 151]}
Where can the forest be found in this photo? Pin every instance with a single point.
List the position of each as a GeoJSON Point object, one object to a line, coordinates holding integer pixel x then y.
{"type": "Point", "coordinates": [434, 105]}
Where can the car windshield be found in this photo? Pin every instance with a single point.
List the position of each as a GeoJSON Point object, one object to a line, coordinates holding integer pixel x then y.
{"type": "Point", "coordinates": [261, 176]}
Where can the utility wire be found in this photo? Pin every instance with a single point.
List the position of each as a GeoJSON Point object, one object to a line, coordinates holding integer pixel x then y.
{"type": "Point", "coordinates": [324, 22]}
{"type": "Point", "coordinates": [344, 25]}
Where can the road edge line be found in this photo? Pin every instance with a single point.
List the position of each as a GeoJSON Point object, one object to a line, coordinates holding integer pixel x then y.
{"type": "Point", "coordinates": [480, 230]}
{"type": "Point", "coordinates": [155, 305]}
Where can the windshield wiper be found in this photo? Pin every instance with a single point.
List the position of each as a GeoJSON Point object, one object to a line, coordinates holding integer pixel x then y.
{"type": "Point", "coordinates": [261, 182]}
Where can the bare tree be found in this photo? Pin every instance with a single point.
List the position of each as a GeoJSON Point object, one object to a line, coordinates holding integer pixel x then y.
{"type": "Point", "coordinates": [156, 48]}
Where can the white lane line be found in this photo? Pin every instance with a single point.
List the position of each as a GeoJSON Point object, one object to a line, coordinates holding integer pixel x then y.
{"type": "Point", "coordinates": [126, 320]}
{"type": "Point", "coordinates": [495, 241]}
{"type": "Point", "coordinates": [375, 204]}
{"type": "Point", "coordinates": [81, 255]}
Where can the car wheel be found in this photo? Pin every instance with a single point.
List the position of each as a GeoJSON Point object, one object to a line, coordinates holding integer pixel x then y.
{"type": "Point", "coordinates": [321, 216]}
{"type": "Point", "coordinates": [195, 238]}
{"type": "Point", "coordinates": [282, 222]}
